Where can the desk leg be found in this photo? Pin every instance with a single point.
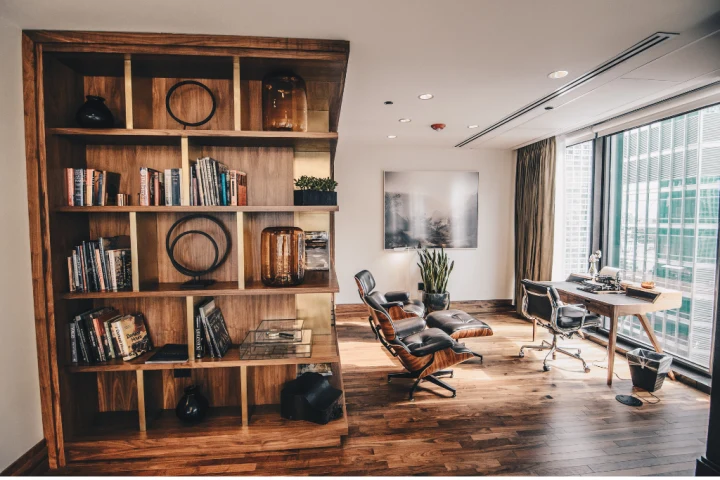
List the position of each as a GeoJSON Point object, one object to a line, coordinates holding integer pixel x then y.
{"type": "Point", "coordinates": [612, 340]}
{"type": "Point", "coordinates": [534, 322]}
{"type": "Point", "coordinates": [653, 339]}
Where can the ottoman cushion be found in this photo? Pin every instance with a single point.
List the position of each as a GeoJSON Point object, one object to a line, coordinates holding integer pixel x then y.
{"type": "Point", "coordinates": [458, 324]}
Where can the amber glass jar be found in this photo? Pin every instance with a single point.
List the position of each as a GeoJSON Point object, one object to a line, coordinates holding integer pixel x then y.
{"type": "Point", "coordinates": [284, 102]}
{"type": "Point", "coordinates": [283, 256]}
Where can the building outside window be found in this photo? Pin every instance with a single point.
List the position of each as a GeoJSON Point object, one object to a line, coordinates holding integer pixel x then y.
{"type": "Point", "coordinates": [577, 172]}
{"type": "Point", "coordinates": [664, 199]}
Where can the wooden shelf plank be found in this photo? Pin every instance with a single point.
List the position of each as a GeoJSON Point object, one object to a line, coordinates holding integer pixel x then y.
{"type": "Point", "coordinates": [324, 350]}
{"type": "Point", "coordinates": [315, 282]}
{"type": "Point", "coordinates": [200, 209]}
{"type": "Point", "coordinates": [114, 435]}
{"type": "Point", "coordinates": [301, 141]}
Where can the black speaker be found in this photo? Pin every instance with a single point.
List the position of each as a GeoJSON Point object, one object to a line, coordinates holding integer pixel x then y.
{"type": "Point", "coordinates": [311, 397]}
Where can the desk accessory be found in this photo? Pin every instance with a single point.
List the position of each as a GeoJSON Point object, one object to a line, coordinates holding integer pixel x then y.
{"type": "Point", "coordinates": [282, 256]}
{"type": "Point", "coordinates": [94, 113]}
{"type": "Point", "coordinates": [193, 406]}
{"type": "Point", "coordinates": [170, 353]}
{"type": "Point", "coordinates": [311, 397]}
{"type": "Point", "coordinates": [183, 122]}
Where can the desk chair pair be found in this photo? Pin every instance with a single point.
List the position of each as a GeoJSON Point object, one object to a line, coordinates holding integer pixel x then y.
{"type": "Point", "coordinates": [541, 303]}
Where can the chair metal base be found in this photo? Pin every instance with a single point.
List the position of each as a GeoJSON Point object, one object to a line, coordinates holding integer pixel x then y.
{"type": "Point", "coordinates": [553, 347]}
{"type": "Point", "coordinates": [432, 378]}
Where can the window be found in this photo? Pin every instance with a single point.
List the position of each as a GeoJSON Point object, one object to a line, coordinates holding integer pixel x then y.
{"type": "Point", "coordinates": [577, 174]}
{"type": "Point", "coordinates": [663, 222]}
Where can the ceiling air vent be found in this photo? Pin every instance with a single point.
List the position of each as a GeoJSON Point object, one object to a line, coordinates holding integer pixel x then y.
{"type": "Point", "coordinates": [631, 52]}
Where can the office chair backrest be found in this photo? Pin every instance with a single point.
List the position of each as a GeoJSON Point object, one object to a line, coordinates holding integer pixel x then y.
{"type": "Point", "coordinates": [366, 282]}
{"type": "Point", "coordinates": [539, 300]}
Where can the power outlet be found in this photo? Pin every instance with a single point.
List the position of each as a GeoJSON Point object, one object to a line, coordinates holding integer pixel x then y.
{"type": "Point", "coordinates": [421, 286]}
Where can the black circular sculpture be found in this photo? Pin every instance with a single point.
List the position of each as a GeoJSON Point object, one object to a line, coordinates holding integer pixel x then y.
{"type": "Point", "coordinates": [196, 282]}
{"type": "Point", "coordinates": [183, 122]}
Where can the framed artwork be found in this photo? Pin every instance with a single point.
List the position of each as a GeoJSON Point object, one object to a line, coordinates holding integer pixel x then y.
{"type": "Point", "coordinates": [431, 209]}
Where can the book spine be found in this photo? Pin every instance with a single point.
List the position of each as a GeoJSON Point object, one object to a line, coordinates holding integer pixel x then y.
{"type": "Point", "coordinates": [82, 341]}
{"type": "Point", "coordinates": [99, 269]}
{"type": "Point", "coordinates": [103, 188]}
{"type": "Point", "coordinates": [117, 334]}
{"type": "Point", "coordinates": [199, 353]}
{"type": "Point", "coordinates": [73, 343]}
{"type": "Point", "coordinates": [209, 332]}
{"type": "Point", "coordinates": [92, 340]}
{"type": "Point", "coordinates": [127, 270]}
{"type": "Point", "coordinates": [102, 260]}
{"type": "Point", "coordinates": [79, 187]}
{"type": "Point", "coordinates": [168, 191]}
{"type": "Point", "coordinates": [100, 336]}
{"type": "Point", "coordinates": [87, 266]}
{"type": "Point", "coordinates": [71, 275]}
{"type": "Point", "coordinates": [205, 184]}
{"type": "Point", "coordinates": [112, 270]}
{"type": "Point", "coordinates": [144, 187]}
{"type": "Point", "coordinates": [208, 340]}
{"type": "Point", "coordinates": [242, 189]}
{"type": "Point", "coordinates": [108, 340]}
{"type": "Point", "coordinates": [76, 270]}
{"type": "Point", "coordinates": [70, 187]}
{"type": "Point", "coordinates": [223, 190]}
{"type": "Point", "coordinates": [82, 271]}
{"type": "Point", "coordinates": [201, 191]}
{"type": "Point", "coordinates": [233, 187]}
{"type": "Point", "coordinates": [215, 180]}
{"type": "Point", "coordinates": [89, 181]}
{"type": "Point", "coordinates": [97, 187]}
{"type": "Point", "coordinates": [176, 181]}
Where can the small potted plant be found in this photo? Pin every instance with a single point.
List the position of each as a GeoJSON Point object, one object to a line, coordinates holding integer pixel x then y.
{"type": "Point", "coordinates": [315, 191]}
{"type": "Point", "coordinates": [435, 272]}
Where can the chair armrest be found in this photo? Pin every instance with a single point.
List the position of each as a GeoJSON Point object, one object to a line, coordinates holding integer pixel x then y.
{"type": "Point", "coordinates": [576, 306]}
{"type": "Point", "coordinates": [387, 306]}
{"type": "Point", "coordinates": [397, 297]}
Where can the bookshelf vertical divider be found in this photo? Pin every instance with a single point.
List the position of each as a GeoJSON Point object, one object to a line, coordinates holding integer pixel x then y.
{"type": "Point", "coordinates": [116, 409]}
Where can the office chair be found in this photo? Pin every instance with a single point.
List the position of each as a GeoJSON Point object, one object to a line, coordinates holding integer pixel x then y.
{"type": "Point", "coordinates": [541, 304]}
{"type": "Point", "coordinates": [425, 353]}
{"type": "Point", "coordinates": [366, 284]}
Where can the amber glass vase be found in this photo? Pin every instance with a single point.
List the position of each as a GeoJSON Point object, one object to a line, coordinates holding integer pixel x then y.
{"type": "Point", "coordinates": [284, 102]}
{"type": "Point", "coordinates": [283, 256]}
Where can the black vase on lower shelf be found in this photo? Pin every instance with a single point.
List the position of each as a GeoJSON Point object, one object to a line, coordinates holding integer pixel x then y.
{"type": "Point", "coordinates": [94, 114]}
{"type": "Point", "coordinates": [192, 407]}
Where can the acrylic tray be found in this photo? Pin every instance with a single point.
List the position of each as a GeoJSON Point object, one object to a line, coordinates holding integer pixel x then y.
{"type": "Point", "coordinates": [250, 349]}
{"type": "Point", "coordinates": [278, 331]}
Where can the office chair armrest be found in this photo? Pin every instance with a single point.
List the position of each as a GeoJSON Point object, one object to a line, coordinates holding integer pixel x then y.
{"type": "Point", "coordinates": [397, 297]}
{"type": "Point", "coordinates": [576, 306]}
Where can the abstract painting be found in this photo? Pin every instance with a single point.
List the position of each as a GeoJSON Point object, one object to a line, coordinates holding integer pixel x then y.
{"type": "Point", "coordinates": [431, 209]}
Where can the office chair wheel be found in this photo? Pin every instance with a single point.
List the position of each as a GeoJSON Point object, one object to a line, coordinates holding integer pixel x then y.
{"type": "Point", "coordinates": [546, 368]}
{"type": "Point", "coordinates": [587, 369]}
{"type": "Point", "coordinates": [454, 395]}
{"type": "Point", "coordinates": [521, 354]}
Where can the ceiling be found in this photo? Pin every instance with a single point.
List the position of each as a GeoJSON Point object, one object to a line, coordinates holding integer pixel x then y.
{"type": "Point", "coordinates": [482, 59]}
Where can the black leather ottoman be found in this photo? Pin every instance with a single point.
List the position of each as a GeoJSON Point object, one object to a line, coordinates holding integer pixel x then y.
{"type": "Point", "coordinates": [458, 324]}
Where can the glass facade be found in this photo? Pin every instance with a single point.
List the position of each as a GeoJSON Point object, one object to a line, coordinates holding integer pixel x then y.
{"type": "Point", "coordinates": [577, 174]}
{"type": "Point", "coordinates": [664, 199]}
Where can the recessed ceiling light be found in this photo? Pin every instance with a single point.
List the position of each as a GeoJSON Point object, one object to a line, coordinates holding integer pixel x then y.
{"type": "Point", "coordinates": [558, 74]}
{"type": "Point", "coordinates": [425, 96]}
{"type": "Point", "coordinates": [392, 136]}
{"type": "Point", "coordinates": [388, 102]}
{"type": "Point", "coordinates": [473, 126]}
{"type": "Point", "coordinates": [549, 107]}
{"type": "Point", "coordinates": [404, 120]}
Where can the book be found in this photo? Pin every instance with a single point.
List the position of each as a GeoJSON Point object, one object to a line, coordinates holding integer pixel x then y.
{"type": "Point", "coordinates": [99, 321]}
{"type": "Point", "coordinates": [199, 337]}
{"type": "Point", "coordinates": [88, 187]}
{"type": "Point", "coordinates": [73, 343]}
{"type": "Point", "coordinates": [111, 188]}
{"type": "Point", "coordinates": [70, 187]}
{"type": "Point", "coordinates": [170, 353]}
{"type": "Point", "coordinates": [79, 187]}
{"type": "Point", "coordinates": [101, 266]}
{"type": "Point", "coordinates": [214, 323]}
{"type": "Point", "coordinates": [132, 335]}
{"type": "Point", "coordinates": [82, 342]}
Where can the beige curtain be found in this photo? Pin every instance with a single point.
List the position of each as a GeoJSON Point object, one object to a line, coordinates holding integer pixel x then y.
{"type": "Point", "coordinates": [534, 213]}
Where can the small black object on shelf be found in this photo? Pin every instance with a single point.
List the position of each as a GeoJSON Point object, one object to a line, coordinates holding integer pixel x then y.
{"type": "Point", "coordinates": [311, 397]}
{"type": "Point", "coordinates": [179, 120]}
{"type": "Point", "coordinates": [193, 406]}
{"type": "Point", "coordinates": [197, 282]}
{"type": "Point", "coordinates": [94, 113]}
{"type": "Point", "coordinates": [648, 369]}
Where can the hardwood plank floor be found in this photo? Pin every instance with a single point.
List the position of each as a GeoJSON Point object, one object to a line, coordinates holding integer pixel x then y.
{"type": "Point", "coordinates": [509, 417]}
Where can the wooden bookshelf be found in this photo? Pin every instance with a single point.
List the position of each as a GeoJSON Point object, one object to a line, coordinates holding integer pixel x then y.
{"type": "Point", "coordinates": [122, 409]}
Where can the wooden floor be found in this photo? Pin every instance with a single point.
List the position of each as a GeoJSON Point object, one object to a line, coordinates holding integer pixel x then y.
{"type": "Point", "coordinates": [509, 417]}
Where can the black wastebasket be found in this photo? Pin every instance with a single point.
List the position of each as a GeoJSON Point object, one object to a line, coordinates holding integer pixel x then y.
{"type": "Point", "coordinates": [648, 369]}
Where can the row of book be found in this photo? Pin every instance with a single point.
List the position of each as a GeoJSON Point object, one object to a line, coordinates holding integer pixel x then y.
{"type": "Point", "coordinates": [103, 334]}
{"type": "Point", "coordinates": [211, 333]}
{"type": "Point", "coordinates": [160, 188]}
{"type": "Point", "coordinates": [212, 183]}
{"type": "Point", "coordinates": [86, 187]}
{"type": "Point", "coordinates": [103, 265]}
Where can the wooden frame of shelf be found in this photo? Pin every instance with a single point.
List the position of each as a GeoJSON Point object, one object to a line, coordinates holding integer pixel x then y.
{"type": "Point", "coordinates": [86, 408]}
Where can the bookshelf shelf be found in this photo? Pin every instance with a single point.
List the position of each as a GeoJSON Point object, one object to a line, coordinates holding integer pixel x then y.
{"type": "Point", "coordinates": [124, 410]}
{"type": "Point", "coordinates": [324, 350]}
{"type": "Point", "coordinates": [315, 282]}
{"type": "Point", "coordinates": [300, 141]}
{"type": "Point", "coordinates": [202, 209]}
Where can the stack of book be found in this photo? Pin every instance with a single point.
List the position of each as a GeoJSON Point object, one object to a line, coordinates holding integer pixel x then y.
{"type": "Point", "coordinates": [160, 188]}
{"type": "Point", "coordinates": [86, 187]}
{"type": "Point", "coordinates": [103, 265]}
{"type": "Point", "coordinates": [103, 334]}
{"type": "Point", "coordinates": [212, 183]}
{"type": "Point", "coordinates": [211, 333]}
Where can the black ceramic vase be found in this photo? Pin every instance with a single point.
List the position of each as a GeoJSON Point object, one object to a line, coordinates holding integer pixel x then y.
{"type": "Point", "coordinates": [436, 301]}
{"type": "Point", "coordinates": [95, 114]}
{"type": "Point", "coordinates": [192, 407]}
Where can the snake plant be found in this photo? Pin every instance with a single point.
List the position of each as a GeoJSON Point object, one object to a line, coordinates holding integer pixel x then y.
{"type": "Point", "coordinates": [435, 270]}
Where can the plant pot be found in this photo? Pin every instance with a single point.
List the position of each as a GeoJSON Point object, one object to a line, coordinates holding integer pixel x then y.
{"type": "Point", "coordinates": [192, 407]}
{"type": "Point", "coordinates": [436, 301]}
{"type": "Point", "coordinates": [94, 114]}
{"type": "Point", "coordinates": [313, 197]}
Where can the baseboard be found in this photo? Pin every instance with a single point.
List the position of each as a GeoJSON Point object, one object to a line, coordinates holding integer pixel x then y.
{"type": "Point", "coordinates": [34, 462]}
{"type": "Point", "coordinates": [351, 310]}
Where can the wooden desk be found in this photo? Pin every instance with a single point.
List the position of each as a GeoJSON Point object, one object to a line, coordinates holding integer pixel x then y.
{"type": "Point", "coordinates": [615, 306]}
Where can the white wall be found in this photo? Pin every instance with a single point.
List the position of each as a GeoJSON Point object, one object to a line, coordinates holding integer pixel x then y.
{"type": "Point", "coordinates": [20, 420]}
{"type": "Point", "coordinates": [480, 274]}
